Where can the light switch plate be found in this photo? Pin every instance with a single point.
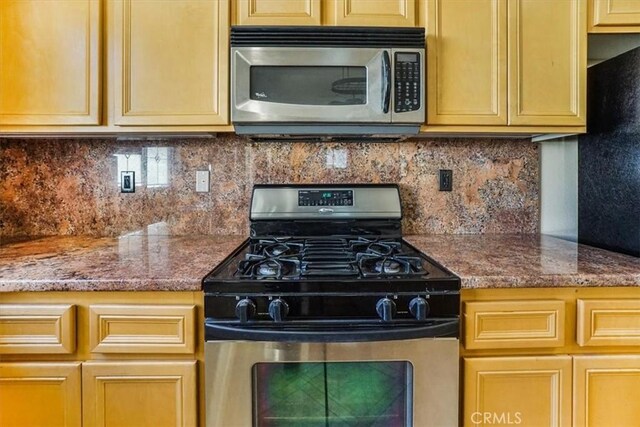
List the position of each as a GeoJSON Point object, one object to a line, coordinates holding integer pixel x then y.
{"type": "Point", "coordinates": [127, 182]}
{"type": "Point", "coordinates": [202, 181]}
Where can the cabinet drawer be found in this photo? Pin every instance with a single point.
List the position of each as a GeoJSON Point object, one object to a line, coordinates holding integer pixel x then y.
{"type": "Point", "coordinates": [37, 328]}
{"type": "Point", "coordinates": [142, 328]}
{"type": "Point", "coordinates": [514, 324]}
{"type": "Point", "coordinates": [608, 322]}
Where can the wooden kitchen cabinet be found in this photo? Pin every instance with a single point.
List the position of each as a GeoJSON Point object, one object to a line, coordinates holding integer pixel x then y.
{"type": "Point", "coordinates": [170, 62]}
{"type": "Point", "coordinates": [527, 391]}
{"type": "Point", "coordinates": [504, 65]}
{"type": "Point", "coordinates": [141, 393]}
{"type": "Point", "coordinates": [50, 62]}
{"type": "Point", "coordinates": [614, 16]}
{"type": "Point", "coordinates": [40, 394]}
{"type": "Point", "coordinates": [606, 390]}
{"type": "Point", "coordinates": [384, 13]}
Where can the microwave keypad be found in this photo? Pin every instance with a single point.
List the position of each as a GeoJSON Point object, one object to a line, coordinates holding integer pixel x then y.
{"type": "Point", "coordinates": [407, 82]}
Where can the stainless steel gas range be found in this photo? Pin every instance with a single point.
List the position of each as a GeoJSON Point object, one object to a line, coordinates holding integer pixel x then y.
{"type": "Point", "coordinates": [325, 316]}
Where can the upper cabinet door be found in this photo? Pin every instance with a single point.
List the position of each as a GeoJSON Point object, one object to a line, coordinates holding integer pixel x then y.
{"type": "Point", "coordinates": [170, 62]}
{"type": "Point", "coordinates": [50, 62]}
{"type": "Point", "coordinates": [466, 59]}
{"type": "Point", "coordinates": [385, 13]}
{"type": "Point", "coordinates": [277, 12]}
{"type": "Point", "coordinates": [614, 16]}
{"type": "Point", "coordinates": [547, 62]}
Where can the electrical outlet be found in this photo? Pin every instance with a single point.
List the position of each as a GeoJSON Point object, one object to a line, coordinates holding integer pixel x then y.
{"type": "Point", "coordinates": [446, 179]}
{"type": "Point", "coordinates": [127, 182]}
{"type": "Point", "coordinates": [202, 181]}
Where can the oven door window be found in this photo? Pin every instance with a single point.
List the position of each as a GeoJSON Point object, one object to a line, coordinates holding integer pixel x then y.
{"type": "Point", "coordinates": [326, 394]}
{"type": "Point", "coordinates": [309, 85]}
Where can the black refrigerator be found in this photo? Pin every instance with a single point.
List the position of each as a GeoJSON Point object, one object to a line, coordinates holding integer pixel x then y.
{"type": "Point", "coordinates": [609, 157]}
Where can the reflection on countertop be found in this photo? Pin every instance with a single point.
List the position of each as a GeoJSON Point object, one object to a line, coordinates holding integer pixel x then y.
{"type": "Point", "coordinates": [527, 260]}
{"type": "Point", "coordinates": [146, 261]}
{"type": "Point", "coordinates": [133, 262]}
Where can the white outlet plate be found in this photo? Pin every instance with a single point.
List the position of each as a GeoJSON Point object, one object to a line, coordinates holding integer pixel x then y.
{"type": "Point", "coordinates": [202, 181]}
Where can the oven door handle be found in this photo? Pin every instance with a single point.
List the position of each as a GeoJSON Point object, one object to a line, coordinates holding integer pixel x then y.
{"type": "Point", "coordinates": [216, 331]}
{"type": "Point", "coordinates": [386, 77]}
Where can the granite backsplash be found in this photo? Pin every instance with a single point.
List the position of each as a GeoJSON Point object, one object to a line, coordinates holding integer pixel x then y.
{"type": "Point", "coordinates": [70, 186]}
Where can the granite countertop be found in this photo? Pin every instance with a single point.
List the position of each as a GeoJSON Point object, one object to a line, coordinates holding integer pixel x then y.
{"type": "Point", "coordinates": [527, 260]}
{"type": "Point", "coordinates": [141, 262]}
{"type": "Point", "coordinates": [134, 262]}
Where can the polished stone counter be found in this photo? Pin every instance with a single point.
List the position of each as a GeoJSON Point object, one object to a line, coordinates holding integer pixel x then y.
{"type": "Point", "coordinates": [134, 262]}
{"type": "Point", "coordinates": [142, 262]}
{"type": "Point", "coordinates": [527, 260]}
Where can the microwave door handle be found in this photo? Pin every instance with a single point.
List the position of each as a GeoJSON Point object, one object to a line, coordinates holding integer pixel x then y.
{"type": "Point", "coordinates": [386, 76]}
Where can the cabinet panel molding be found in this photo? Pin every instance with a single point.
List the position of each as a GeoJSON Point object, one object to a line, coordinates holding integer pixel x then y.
{"type": "Point", "coordinates": [387, 13]}
{"type": "Point", "coordinates": [139, 393]}
{"type": "Point", "coordinates": [142, 328]}
{"type": "Point", "coordinates": [170, 62]}
{"type": "Point", "coordinates": [547, 62]}
{"type": "Point", "coordinates": [608, 322]}
{"type": "Point", "coordinates": [614, 16]}
{"type": "Point", "coordinates": [50, 62]}
{"type": "Point", "coordinates": [277, 12]}
{"type": "Point", "coordinates": [514, 324]}
{"type": "Point", "coordinates": [37, 328]}
{"type": "Point", "coordinates": [528, 391]}
{"type": "Point", "coordinates": [467, 62]}
{"type": "Point", "coordinates": [40, 394]}
{"type": "Point", "coordinates": [606, 390]}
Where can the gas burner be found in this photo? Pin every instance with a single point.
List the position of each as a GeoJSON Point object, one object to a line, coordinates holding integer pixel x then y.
{"type": "Point", "coordinates": [260, 267]}
{"type": "Point", "coordinates": [372, 265]}
{"type": "Point", "coordinates": [387, 266]}
{"type": "Point", "coordinates": [276, 247]}
{"type": "Point", "coordinates": [377, 247]}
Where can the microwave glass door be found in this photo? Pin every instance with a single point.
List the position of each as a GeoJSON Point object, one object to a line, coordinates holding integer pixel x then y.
{"type": "Point", "coordinates": [332, 85]}
{"type": "Point", "coordinates": [332, 394]}
{"type": "Point", "coordinates": [298, 85]}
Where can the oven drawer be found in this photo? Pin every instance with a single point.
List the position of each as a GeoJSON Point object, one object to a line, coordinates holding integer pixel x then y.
{"type": "Point", "coordinates": [514, 324]}
{"type": "Point", "coordinates": [159, 329]}
{"type": "Point", "coordinates": [37, 328]}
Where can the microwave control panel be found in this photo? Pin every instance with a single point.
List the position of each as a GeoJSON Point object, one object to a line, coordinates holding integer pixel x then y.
{"type": "Point", "coordinates": [407, 81]}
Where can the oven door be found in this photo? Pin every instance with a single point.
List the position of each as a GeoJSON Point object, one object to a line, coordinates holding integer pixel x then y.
{"type": "Point", "coordinates": [309, 85]}
{"type": "Point", "coordinates": [409, 382]}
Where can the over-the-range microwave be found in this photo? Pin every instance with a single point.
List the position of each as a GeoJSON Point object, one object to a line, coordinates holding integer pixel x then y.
{"type": "Point", "coordinates": [288, 81]}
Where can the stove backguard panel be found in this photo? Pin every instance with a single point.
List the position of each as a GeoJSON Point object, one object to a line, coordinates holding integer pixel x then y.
{"type": "Point", "coordinates": [70, 186]}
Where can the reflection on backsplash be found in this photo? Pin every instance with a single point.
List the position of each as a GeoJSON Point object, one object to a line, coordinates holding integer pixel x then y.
{"type": "Point", "coordinates": [71, 186]}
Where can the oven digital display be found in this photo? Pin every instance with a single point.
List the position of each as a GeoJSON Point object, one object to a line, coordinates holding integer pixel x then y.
{"type": "Point", "coordinates": [325, 198]}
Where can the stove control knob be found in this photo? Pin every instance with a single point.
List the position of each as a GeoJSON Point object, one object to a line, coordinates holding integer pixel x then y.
{"type": "Point", "coordinates": [419, 308]}
{"type": "Point", "coordinates": [278, 309]}
{"type": "Point", "coordinates": [386, 309]}
{"type": "Point", "coordinates": [245, 310]}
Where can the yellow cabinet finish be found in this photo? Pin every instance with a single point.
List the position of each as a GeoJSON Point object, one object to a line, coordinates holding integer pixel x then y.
{"type": "Point", "coordinates": [514, 324]}
{"type": "Point", "coordinates": [606, 391]}
{"type": "Point", "coordinates": [467, 62]}
{"type": "Point", "coordinates": [276, 12]}
{"type": "Point", "coordinates": [527, 391]}
{"type": "Point", "coordinates": [142, 328]}
{"type": "Point", "coordinates": [37, 328]}
{"type": "Point", "coordinates": [40, 394]}
{"type": "Point", "coordinates": [170, 62]}
{"type": "Point", "coordinates": [608, 322]}
{"type": "Point", "coordinates": [157, 394]}
{"type": "Point", "coordinates": [384, 13]}
{"type": "Point", "coordinates": [547, 62]}
{"type": "Point", "coordinates": [50, 62]}
{"type": "Point", "coordinates": [614, 16]}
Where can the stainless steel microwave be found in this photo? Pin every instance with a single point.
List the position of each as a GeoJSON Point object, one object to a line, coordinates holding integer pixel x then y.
{"type": "Point", "coordinates": [327, 80]}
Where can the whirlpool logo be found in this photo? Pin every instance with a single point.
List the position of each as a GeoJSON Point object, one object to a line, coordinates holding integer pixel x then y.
{"type": "Point", "coordinates": [496, 418]}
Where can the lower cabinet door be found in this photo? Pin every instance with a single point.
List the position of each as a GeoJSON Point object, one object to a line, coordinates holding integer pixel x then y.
{"type": "Point", "coordinates": [40, 394]}
{"type": "Point", "coordinates": [524, 391]}
{"type": "Point", "coordinates": [139, 394]}
{"type": "Point", "coordinates": [606, 391]}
